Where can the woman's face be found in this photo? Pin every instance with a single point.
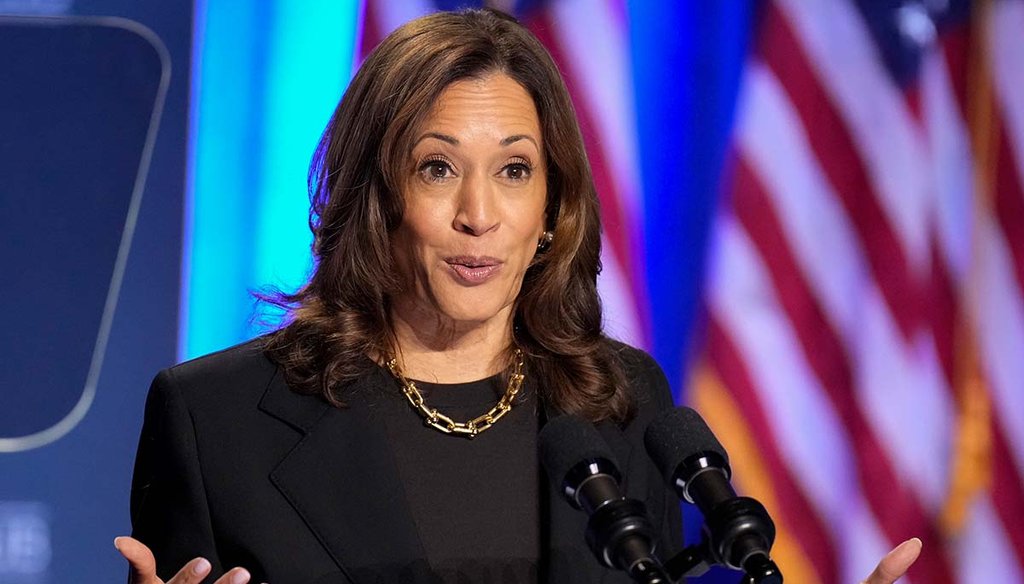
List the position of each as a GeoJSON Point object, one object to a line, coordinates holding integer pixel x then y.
{"type": "Point", "coordinates": [474, 204]}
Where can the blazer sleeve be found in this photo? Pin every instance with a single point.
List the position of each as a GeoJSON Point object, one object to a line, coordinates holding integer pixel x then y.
{"type": "Point", "coordinates": [169, 508]}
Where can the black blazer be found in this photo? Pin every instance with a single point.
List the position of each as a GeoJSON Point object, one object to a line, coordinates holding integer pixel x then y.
{"type": "Point", "coordinates": [234, 466]}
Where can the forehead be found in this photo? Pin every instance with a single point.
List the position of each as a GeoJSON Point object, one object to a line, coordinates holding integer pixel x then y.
{"type": "Point", "coordinates": [493, 104]}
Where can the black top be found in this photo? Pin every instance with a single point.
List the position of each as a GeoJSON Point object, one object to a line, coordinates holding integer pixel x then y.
{"type": "Point", "coordinates": [474, 502]}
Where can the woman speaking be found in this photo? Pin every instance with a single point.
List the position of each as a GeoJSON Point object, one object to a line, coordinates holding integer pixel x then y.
{"type": "Point", "coordinates": [388, 432]}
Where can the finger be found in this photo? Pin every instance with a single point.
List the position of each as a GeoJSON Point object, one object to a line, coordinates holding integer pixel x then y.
{"type": "Point", "coordinates": [141, 563]}
{"type": "Point", "coordinates": [896, 563]}
{"type": "Point", "coordinates": [192, 572]}
{"type": "Point", "coordinates": [234, 576]}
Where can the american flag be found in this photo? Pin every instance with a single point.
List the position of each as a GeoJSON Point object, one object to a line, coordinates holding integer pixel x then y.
{"type": "Point", "coordinates": [863, 354]}
{"type": "Point", "coordinates": [600, 82]}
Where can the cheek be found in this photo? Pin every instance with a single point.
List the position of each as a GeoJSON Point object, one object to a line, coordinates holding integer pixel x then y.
{"type": "Point", "coordinates": [425, 223]}
{"type": "Point", "coordinates": [414, 249]}
{"type": "Point", "coordinates": [533, 228]}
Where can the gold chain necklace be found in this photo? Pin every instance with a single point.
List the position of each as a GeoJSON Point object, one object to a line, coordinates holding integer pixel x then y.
{"type": "Point", "coordinates": [442, 423]}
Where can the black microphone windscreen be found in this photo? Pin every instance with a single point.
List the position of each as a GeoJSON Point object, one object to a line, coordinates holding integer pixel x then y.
{"type": "Point", "coordinates": [677, 434]}
{"type": "Point", "coordinates": [567, 440]}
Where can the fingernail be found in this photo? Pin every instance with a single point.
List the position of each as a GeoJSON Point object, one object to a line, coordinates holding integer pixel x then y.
{"type": "Point", "coordinates": [201, 567]}
{"type": "Point", "coordinates": [117, 542]}
{"type": "Point", "coordinates": [240, 577]}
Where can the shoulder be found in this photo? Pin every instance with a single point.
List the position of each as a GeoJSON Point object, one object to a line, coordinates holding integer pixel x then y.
{"type": "Point", "coordinates": [652, 395]}
{"type": "Point", "coordinates": [643, 374]}
{"type": "Point", "coordinates": [239, 372]}
{"type": "Point", "coordinates": [636, 362]}
{"type": "Point", "coordinates": [649, 389]}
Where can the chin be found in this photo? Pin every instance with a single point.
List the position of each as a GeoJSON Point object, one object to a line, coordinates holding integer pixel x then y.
{"type": "Point", "coordinates": [469, 309]}
{"type": "Point", "coordinates": [468, 315]}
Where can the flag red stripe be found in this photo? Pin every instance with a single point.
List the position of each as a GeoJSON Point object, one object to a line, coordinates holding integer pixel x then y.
{"type": "Point", "coordinates": [912, 97]}
{"type": "Point", "coordinates": [1010, 204]}
{"type": "Point", "coordinates": [943, 310]}
{"type": "Point", "coordinates": [955, 44]}
{"type": "Point", "coordinates": [372, 29]}
{"type": "Point", "coordinates": [836, 152]}
{"type": "Point", "coordinates": [808, 529]}
{"type": "Point", "coordinates": [894, 505]}
{"type": "Point", "coordinates": [1007, 490]}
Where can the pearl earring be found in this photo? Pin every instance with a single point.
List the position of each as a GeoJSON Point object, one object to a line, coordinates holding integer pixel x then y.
{"type": "Point", "coordinates": [545, 240]}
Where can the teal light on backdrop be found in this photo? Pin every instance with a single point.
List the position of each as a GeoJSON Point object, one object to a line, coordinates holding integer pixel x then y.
{"type": "Point", "coordinates": [267, 76]}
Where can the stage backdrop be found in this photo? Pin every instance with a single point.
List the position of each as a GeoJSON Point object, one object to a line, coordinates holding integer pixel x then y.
{"type": "Point", "coordinates": [862, 324]}
{"type": "Point", "coordinates": [202, 162]}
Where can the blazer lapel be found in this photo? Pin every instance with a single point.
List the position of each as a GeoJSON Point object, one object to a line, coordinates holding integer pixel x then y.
{"type": "Point", "coordinates": [341, 479]}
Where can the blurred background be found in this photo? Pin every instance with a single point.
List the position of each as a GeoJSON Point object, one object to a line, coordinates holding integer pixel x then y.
{"type": "Point", "coordinates": [814, 220]}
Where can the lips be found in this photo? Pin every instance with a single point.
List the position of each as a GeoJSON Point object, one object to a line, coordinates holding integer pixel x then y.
{"type": "Point", "coordinates": [473, 270]}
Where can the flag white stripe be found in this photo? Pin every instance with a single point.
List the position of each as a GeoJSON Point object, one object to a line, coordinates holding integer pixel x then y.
{"type": "Point", "coordinates": [773, 141]}
{"type": "Point", "coordinates": [950, 164]}
{"type": "Point", "coordinates": [840, 49]}
{"type": "Point", "coordinates": [1006, 47]}
{"type": "Point", "coordinates": [391, 15]}
{"type": "Point", "coordinates": [982, 550]}
{"type": "Point", "coordinates": [900, 387]}
{"type": "Point", "coordinates": [896, 384]}
{"type": "Point", "coordinates": [601, 73]}
{"type": "Point", "coordinates": [806, 428]}
{"type": "Point", "coordinates": [619, 310]}
{"type": "Point", "coordinates": [595, 40]}
{"type": "Point", "coordinates": [862, 542]}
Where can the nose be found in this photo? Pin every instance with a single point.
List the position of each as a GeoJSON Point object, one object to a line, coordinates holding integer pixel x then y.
{"type": "Point", "coordinates": [476, 211]}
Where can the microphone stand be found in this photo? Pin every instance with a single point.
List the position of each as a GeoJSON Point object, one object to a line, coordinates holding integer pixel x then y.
{"type": "Point", "coordinates": [738, 532]}
{"type": "Point", "coordinates": [695, 560]}
{"type": "Point", "coordinates": [621, 536]}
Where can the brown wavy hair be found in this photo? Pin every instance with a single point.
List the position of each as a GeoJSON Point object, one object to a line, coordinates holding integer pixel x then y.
{"type": "Point", "coordinates": [342, 315]}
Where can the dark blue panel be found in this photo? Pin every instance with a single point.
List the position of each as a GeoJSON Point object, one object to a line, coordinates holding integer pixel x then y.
{"type": "Point", "coordinates": [70, 150]}
{"type": "Point", "coordinates": [64, 502]}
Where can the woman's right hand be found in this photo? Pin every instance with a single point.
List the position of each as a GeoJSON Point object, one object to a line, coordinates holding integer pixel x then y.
{"type": "Point", "coordinates": [142, 567]}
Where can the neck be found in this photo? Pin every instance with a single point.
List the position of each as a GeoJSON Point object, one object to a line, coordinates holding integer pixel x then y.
{"type": "Point", "coordinates": [433, 348]}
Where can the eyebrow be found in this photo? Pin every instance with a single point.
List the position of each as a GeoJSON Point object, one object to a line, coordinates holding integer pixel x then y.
{"type": "Point", "coordinates": [455, 141]}
{"type": "Point", "coordinates": [517, 137]}
{"type": "Point", "coordinates": [442, 137]}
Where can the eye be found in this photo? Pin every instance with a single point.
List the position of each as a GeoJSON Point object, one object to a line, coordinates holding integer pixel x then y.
{"type": "Point", "coordinates": [436, 169]}
{"type": "Point", "coordinates": [518, 171]}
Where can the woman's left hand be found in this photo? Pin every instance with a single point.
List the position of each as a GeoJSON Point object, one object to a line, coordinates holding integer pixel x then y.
{"type": "Point", "coordinates": [895, 563]}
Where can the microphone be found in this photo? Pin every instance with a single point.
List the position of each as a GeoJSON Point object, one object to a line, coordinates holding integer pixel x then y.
{"type": "Point", "coordinates": [580, 464]}
{"type": "Point", "coordinates": [739, 529]}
